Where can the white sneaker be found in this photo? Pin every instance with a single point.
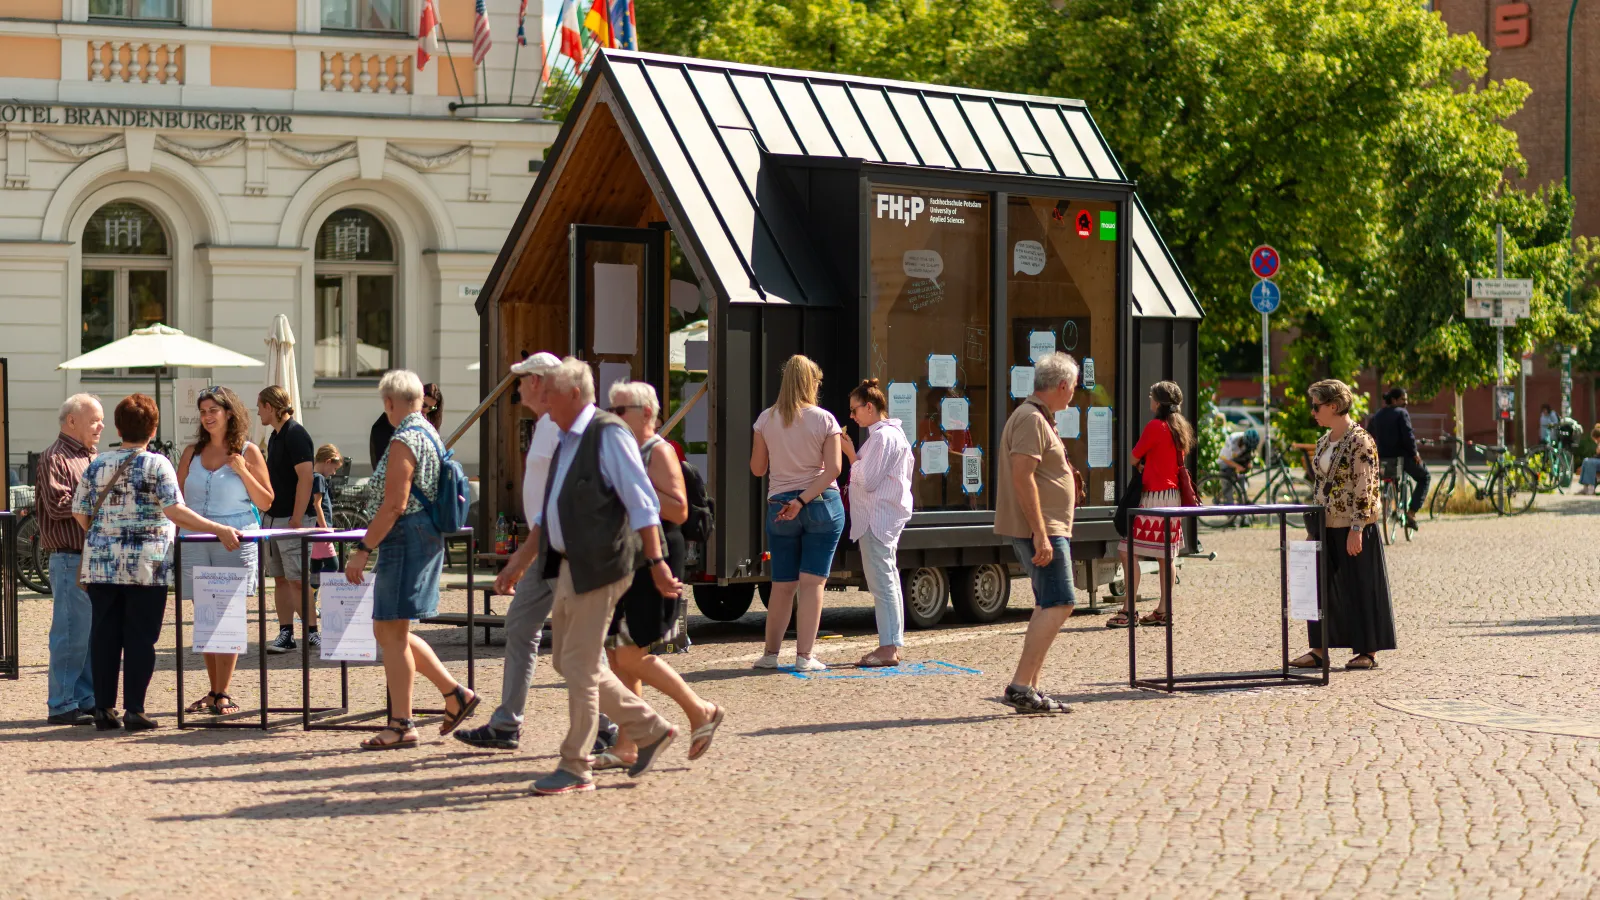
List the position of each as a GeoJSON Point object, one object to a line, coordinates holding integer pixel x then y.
{"type": "Point", "coordinates": [809, 664]}
{"type": "Point", "coordinates": [769, 661]}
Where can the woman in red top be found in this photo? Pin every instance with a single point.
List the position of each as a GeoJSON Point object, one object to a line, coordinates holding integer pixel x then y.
{"type": "Point", "coordinates": [1158, 455]}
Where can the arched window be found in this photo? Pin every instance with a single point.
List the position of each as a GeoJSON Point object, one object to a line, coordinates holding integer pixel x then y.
{"type": "Point", "coordinates": [127, 273]}
{"type": "Point", "coordinates": [355, 280]}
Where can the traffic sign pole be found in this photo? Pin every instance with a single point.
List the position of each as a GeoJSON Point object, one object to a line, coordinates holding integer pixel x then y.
{"type": "Point", "coordinates": [1265, 296]}
{"type": "Point", "coordinates": [1266, 391]}
{"type": "Point", "coordinates": [1499, 331]}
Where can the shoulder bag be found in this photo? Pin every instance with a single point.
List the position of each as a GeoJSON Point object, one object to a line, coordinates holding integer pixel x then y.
{"type": "Point", "coordinates": [98, 502]}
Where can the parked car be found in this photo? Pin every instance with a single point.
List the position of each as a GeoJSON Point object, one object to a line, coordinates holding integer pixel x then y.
{"type": "Point", "coordinates": [1242, 418]}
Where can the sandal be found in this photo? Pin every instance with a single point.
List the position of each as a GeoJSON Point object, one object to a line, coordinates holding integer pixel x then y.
{"type": "Point", "coordinates": [608, 760]}
{"type": "Point", "coordinates": [1119, 620]}
{"type": "Point", "coordinates": [201, 705]}
{"type": "Point", "coordinates": [223, 705]}
{"type": "Point", "coordinates": [1362, 661]}
{"type": "Point", "coordinates": [467, 707]}
{"type": "Point", "coordinates": [704, 733]}
{"type": "Point", "coordinates": [400, 728]}
{"type": "Point", "coordinates": [1155, 619]}
{"type": "Point", "coordinates": [1308, 661]}
{"type": "Point", "coordinates": [873, 661]}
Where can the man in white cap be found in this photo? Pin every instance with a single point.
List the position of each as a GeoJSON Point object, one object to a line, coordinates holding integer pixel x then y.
{"type": "Point", "coordinates": [532, 596]}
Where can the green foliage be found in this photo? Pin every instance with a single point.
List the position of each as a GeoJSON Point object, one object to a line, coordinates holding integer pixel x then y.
{"type": "Point", "coordinates": [1211, 429]}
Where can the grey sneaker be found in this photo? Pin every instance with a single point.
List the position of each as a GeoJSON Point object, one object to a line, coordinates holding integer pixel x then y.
{"type": "Point", "coordinates": [650, 753]}
{"type": "Point", "coordinates": [283, 643]}
{"type": "Point", "coordinates": [561, 782]}
{"type": "Point", "coordinates": [315, 640]}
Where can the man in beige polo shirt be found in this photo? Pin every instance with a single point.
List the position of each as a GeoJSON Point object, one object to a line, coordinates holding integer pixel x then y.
{"type": "Point", "coordinates": [1033, 507]}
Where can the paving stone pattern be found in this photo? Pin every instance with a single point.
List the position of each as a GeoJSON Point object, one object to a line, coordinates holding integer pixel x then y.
{"type": "Point", "coordinates": [903, 786]}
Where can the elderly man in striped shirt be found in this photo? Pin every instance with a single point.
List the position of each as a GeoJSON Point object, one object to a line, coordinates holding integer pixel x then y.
{"type": "Point", "coordinates": [60, 468]}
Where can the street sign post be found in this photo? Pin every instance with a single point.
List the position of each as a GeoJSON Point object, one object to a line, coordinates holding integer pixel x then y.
{"type": "Point", "coordinates": [1265, 297]}
{"type": "Point", "coordinates": [1264, 261]}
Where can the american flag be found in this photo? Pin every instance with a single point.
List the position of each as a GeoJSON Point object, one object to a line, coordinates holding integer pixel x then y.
{"type": "Point", "coordinates": [480, 35]}
{"type": "Point", "coordinates": [522, 21]}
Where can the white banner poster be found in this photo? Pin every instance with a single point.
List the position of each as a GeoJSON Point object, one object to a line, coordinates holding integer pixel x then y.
{"type": "Point", "coordinates": [347, 619]}
{"type": "Point", "coordinates": [1303, 580]}
{"type": "Point", "coordinates": [1100, 437]}
{"type": "Point", "coordinates": [903, 406]}
{"type": "Point", "coordinates": [220, 596]}
{"type": "Point", "coordinates": [935, 457]}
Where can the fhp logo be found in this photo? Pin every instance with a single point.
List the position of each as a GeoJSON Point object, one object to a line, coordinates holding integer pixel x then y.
{"type": "Point", "coordinates": [906, 209]}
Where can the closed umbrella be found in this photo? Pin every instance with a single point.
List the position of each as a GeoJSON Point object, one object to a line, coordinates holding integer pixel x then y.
{"type": "Point", "coordinates": [281, 369]}
{"type": "Point", "coordinates": [159, 346]}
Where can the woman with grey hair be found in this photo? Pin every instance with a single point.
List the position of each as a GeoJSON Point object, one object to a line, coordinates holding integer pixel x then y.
{"type": "Point", "coordinates": [406, 578]}
{"type": "Point", "coordinates": [1357, 613]}
{"type": "Point", "coordinates": [645, 621]}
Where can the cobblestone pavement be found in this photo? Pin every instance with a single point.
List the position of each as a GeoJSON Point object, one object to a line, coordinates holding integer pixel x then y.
{"type": "Point", "coordinates": [905, 785]}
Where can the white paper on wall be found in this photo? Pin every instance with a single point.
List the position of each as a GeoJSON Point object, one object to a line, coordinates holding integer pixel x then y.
{"type": "Point", "coordinates": [935, 457]}
{"type": "Point", "coordinates": [694, 424]}
{"type": "Point", "coordinates": [347, 619]}
{"type": "Point", "coordinates": [1067, 423]}
{"type": "Point", "coordinates": [220, 624]}
{"type": "Point", "coordinates": [1021, 381]}
{"type": "Point", "coordinates": [941, 370]}
{"type": "Point", "coordinates": [972, 470]}
{"type": "Point", "coordinates": [616, 308]}
{"type": "Point", "coordinates": [1100, 437]}
{"type": "Point", "coordinates": [1303, 580]}
{"type": "Point", "coordinates": [955, 414]}
{"type": "Point", "coordinates": [1040, 343]}
{"type": "Point", "coordinates": [903, 406]}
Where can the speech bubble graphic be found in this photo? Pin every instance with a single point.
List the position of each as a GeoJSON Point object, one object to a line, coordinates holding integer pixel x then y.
{"type": "Point", "coordinates": [1027, 257]}
{"type": "Point", "coordinates": [922, 264]}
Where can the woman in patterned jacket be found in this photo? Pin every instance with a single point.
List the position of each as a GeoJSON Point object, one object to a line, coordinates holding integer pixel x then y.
{"type": "Point", "coordinates": [1356, 613]}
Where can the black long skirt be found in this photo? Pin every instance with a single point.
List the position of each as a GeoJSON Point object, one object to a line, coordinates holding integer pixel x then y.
{"type": "Point", "coordinates": [1357, 612]}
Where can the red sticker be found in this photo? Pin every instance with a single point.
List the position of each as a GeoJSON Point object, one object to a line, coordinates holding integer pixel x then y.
{"type": "Point", "coordinates": [1085, 223]}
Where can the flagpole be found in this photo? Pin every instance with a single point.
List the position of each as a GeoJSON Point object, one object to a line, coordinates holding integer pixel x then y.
{"type": "Point", "coordinates": [452, 57]}
{"type": "Point", "coordinates": [515, 55]}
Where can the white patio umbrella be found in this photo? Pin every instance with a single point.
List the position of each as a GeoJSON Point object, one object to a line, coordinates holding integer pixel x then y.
{"type": "Point", "coordinates": [281, 369]}
{"type": "Point", "coordinates": [159, 346]}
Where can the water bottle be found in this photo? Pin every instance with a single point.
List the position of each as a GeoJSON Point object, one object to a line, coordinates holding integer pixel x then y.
{"type": "Point", "coordinates": [500, 534]}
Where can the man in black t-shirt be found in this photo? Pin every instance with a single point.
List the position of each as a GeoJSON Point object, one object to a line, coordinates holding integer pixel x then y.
{"type": "Point", "coordinates": [290, 453]}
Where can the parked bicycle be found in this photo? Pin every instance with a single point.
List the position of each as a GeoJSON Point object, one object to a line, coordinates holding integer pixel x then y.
{"type": "Point", "coordinates": [1553, 463]}
{"type": "Point", "coordinates": [33, 560]}
{"type": "Point", "coordinates": [1226, 487]}
{"type": "Point", "coordinates": [1510, 483]}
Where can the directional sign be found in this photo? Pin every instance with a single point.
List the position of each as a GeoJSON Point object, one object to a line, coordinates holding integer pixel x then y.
{"type": "Point", "coordinates": [1265, 296]}
{"type": "Point", "coordinates": [1501, 289]}
{"type": "Point", "coordinates": [1264, 262]}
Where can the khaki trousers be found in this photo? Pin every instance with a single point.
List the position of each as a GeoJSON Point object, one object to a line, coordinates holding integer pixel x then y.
{"type": "Point", "coordinates": [577, 651]}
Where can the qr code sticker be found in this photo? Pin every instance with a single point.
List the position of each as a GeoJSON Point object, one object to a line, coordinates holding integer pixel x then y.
{"type": "Point", "coordinates": [1110, 492]}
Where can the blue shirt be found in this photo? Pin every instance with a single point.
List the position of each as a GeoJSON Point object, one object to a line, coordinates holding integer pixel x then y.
{"type": "Point", "coordinates": [620, 467]}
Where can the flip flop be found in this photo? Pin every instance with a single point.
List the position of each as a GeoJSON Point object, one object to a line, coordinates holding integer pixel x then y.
{"type": "Point", "coordinates": [871, 661]}
{"type": "Point", "coordinates": [468, 707]}
{"type": "Point", "coordinates": [704, 733]}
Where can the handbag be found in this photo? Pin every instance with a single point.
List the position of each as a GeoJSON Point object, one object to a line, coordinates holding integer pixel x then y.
{"type": "Point", "coordinates": [1132, 494]}
{"type": "Point", "coordinates": [98, 502]}
{"type": "Point", "coordinates": [1186, 491]}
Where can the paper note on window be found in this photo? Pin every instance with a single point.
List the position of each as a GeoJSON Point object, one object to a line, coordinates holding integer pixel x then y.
{"type": "Point", "coordinates": [1303, 581]}
{"type": "Point", "coordinates": [347, 619]}
{"type": "Point", "coordinates": [697, 355]}
{"type": "Point", "coordinates": [941, 370]}
{"type": "Point", "coordinates": [219, 609]}
{"type": "Point", "coordinates": [1067, 423]}
{"type": "Point", "coordinates": [1040, 343]}
{"type": "Point", "coordinates": [1100, 437]}
{"type": "Point", "coordinates": [954, 414]}
{"type": "Point", "coordinates": [1021, 381]}
{"type": "Point", "coordinates": [972, 470]}
{"type": "Point", "coordinates": [903, 406]}
{"type": "Point", "coordinates": [694, 424]}
{"type": "Point", "coordinates": [611, 373]}
{"type": "Point", "coordinates": [935, 457]}
{"type": "Point", "coordinates": [616, 308]}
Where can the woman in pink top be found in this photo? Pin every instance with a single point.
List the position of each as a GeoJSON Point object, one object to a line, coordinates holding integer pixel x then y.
{"type": "Point", "coordinates": [880, 507]}
{"type": "Point", "coordinates": [797, 447]}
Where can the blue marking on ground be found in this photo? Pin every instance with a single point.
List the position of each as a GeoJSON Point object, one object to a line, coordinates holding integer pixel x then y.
{"type": "Point", "coordinates": [929, 667]}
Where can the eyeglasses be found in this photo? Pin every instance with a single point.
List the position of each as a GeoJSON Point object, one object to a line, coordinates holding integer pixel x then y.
{"type": "Point", "coordinates": [429, 407]}
{"type": "Point", "coordinates": [1317, 406]}
{"type": "Point", "coordinates": [622, 410]}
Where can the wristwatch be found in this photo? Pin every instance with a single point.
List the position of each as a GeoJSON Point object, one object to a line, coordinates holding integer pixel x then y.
{"type": "Point", "coordinates": [362, 546]}
{"type": "Point", "coordinates": [654, 561]}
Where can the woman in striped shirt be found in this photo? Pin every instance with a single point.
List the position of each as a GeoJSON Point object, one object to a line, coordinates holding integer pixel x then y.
{"type": "Point", "coordinates": [880, 506]}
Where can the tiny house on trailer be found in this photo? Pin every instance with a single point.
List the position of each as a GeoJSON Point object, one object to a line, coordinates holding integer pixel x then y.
{"type": "Point", "coordinates": [696, 223]}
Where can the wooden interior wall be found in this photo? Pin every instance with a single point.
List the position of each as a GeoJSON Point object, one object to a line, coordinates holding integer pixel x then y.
{"type": "Point", "coordinates": [599, 184]}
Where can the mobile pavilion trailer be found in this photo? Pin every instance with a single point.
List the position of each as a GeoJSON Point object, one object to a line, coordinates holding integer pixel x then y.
{"type": "Point", "coordinates": [933, 237]}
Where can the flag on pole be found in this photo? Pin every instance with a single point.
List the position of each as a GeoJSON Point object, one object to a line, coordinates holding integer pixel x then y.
{"type": "Point", "coordinates": [480, 34]}
{"type": "Point", "coordinates": [624, 29]}
{"type": "Point", "coordinates": [427, 35]}
{"type": "Point", "coordinates": [598, 21]}
{"type": "Point", "coordinates": [568, 40]}
{"type": "Point", "coordinates": [522, 21]}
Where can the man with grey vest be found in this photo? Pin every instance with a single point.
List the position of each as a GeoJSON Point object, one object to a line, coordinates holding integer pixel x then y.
{"type": "Point", "coordinates": [599, 523]}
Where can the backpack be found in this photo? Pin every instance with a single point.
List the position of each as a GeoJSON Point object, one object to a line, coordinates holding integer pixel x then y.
{"type": "Point", "coordinates": [701, 507]}
{"type": "Point", "coordinates": [449, 510]}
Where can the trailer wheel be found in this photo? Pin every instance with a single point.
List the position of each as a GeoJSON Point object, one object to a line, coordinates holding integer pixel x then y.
{"type": "Point", "coordinates": [723, 602]}
{"type": "Point", "coordinates": [980, 593]}
{"type": "Point", "coordinates": [926, 595]}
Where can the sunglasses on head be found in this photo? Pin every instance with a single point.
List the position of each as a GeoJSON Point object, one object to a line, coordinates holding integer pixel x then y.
{"type": "Point", "coordinates": [210, 392]}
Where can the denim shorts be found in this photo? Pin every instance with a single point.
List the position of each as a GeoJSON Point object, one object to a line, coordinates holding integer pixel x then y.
{"type": "Point", "coordinates": [406, 577]}
{"type": "Point", "coordinates": [804, 544]}
{"type": "Point", "coordinates": [1052, 584]}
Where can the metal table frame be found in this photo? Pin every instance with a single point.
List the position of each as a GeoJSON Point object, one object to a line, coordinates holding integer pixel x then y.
{"type": "Point", "coordinates": [346, 720]}
{"type": "Point", "coordinates": [10, 650]}
{"type": "Point", "coordinates": [1283, 678]}
{"type": "Point", "coordinates": [259, 538]}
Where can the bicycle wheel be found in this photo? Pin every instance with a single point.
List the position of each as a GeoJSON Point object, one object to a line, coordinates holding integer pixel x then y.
{"type": "Point", "coordinates": [1407, 518]}
{"type": "Point", "coordinates": [1523, 485]}
{"type": "Point", "coordinates": [1214, 490]}
{"type": "Point", "coordinates": [1442, 489]}
{"type": "Point", "coordinates": [1286, 491]}
{"type": "Point", "coordinates": [1561, 474]}
{"type": "Point", "coordinates": [1386, 496]}
{"type": "Point", "coordinates": [30, 555]}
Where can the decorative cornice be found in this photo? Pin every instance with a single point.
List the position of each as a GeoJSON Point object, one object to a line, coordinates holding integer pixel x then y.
{"type": "Point", "coordinates": [199, 154]}
{"type": "Point", "coordinates": [315, 158]}
{"type": "Point", "coordinates": [426, 163]}
{"type": "Point", "coordinates": [78, 151]}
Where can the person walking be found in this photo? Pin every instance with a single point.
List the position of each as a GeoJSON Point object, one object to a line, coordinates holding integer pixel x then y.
{"type": "Point", "coordinates": [1158, 455]}
{"type": "Point", "coordinates": [880, 507]}
{"type": "Point", "coordinates": [797, 446]}
{"type": "Point", "coordinates": [532, 595]}
{"type": "Point", "coordinates": [433, 405]}
{"type": "Point", "coordinates": [1034, 507]}
{"type": "Point", "coordinates": [598, 524]}
{"type": "Point", "coordinates": [224, 478]}
{"type": "Point", "coordinates": [1396, 441]}
{"type": "Point", "coordinates": [1590, 473]}
{"type": "Point", "coordinates": [61, 467]}
{"type": "Point", "coordinates": [1548, 420]}
{"type": "Point", "coordinates": [644, 619]}
{"type": "Point", "coordinates": [410, 560]}
{"type": "Point", "coordinates": [127, 502]}
{"type": "Point", "coordinates": [1357, 614]}
{"type": "Point", "coordinates": [291, 458]}
{"type": "Point", "coordinates": [324, 558]}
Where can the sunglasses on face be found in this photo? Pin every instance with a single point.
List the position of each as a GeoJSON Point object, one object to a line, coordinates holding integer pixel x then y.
{"type": "Point", "coordinates": [622, 410]}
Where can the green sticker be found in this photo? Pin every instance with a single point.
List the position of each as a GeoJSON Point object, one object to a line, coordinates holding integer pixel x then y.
{"type": "Point", "coordinates": [1108, 225]}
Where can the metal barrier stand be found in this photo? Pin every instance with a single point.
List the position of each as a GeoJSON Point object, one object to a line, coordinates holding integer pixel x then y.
{"type": "Point", "coordinates": [226, 721]}
{"type": "Point", "coordinates": [343, 719]}
{"type": "Point", "coordinates": [10, 646]}
{"type": "Point", "coordinates": [1283, 678]}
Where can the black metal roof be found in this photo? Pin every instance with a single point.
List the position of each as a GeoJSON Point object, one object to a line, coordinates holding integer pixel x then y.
{"type": "Point", "coordinates": [707, 124]}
